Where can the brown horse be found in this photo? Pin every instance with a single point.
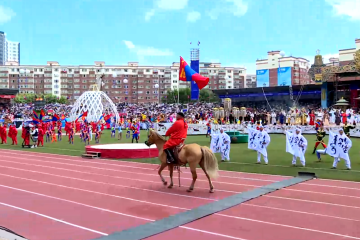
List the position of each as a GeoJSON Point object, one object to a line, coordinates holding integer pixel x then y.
{"type": "Point", "coordinates": [193, 154]}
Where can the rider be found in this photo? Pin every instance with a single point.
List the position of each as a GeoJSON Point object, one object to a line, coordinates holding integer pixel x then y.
{"type": "Point", "coordinates": [177, 133]}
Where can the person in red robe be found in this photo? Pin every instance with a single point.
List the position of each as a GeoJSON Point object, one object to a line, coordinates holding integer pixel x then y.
{"type": "Point", "coordinates": [344, 117]}
{"type": "Point", "coordinates": [41, 137]}
{"type": "Point", "coordinates": [312, 118]}
{"type": "Point", "coordinates": [178, 134]}
{"type": "Point", "coordinates": [13, 134]}
{"type": "Point", "coordinates": [3, 134]}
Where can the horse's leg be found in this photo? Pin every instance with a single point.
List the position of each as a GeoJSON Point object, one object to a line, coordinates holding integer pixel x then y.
{"type": "Point", "coordinates": [210, 183]}
{"type": "Point", "coordinates": [162, 166]}
{"type": "Point", "coordinates": [171, 169]}
{"type": "Point", "coordinates": [194, 176]}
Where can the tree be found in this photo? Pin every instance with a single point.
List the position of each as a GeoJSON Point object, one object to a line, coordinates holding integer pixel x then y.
{"type": "Point", "coordinates": [185, 94]}
{"type": "Point", "coordinates": [30, 98]}
{"type": "Point", "coordinates": [357, 60]}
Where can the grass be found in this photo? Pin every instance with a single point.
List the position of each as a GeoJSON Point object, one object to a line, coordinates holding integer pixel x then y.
{"type": "Point", "coordinates": [242, 159]}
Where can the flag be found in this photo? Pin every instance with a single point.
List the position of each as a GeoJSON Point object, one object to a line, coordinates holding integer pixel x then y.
{"type": "Point", "coordinates": [55, 118]}
{"type": "Point", "coordinates": [35, 115]}
{"type": "Point", "coordinates": [198, 43]}
{"type": "Point", "coordinates": [42, 114]}
{"type": "Point", "coordinates": [188, 74]}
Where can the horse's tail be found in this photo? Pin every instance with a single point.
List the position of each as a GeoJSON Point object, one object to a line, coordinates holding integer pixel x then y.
{"type": "Point", "coordinates": [210, 162]}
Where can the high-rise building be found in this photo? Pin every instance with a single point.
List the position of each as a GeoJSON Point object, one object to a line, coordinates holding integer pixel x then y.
{"type": "Point", "coordinates": [250, 81]}
{"type": "Point", "coordinates": [2, 48]}
{"type": "Point", "coordinates": [12, 51]}
{"type": "Point", "coordinates": [278, 70]}
{"type": "Point", "coordinates": [143, 83]}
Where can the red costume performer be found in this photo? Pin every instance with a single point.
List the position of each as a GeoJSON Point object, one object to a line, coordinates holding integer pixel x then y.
{"type": "Point", "coordinates": [177, 133]}
{"type": "Point", "coordinates": [3, 134]}
{"type": "Point", "coordinates": [312, 118]}
{"type": "Point", "coordinates": [41, 137]}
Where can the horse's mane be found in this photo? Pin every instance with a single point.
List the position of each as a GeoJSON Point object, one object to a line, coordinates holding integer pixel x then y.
{"type": "Point", "coordinates": [159, 136]}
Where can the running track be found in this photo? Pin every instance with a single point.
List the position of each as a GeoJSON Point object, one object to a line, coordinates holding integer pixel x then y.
{"type": "Point", "coordinates": [55, 197]}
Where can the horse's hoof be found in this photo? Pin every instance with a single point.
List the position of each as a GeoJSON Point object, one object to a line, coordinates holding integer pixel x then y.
{"type": "Point", "coordinates": [165, 183]}
{"type": "Point", "coordinates": [189, 190]}
{"type": "Point", "coordinates": [211, 191]}
{"type": "Point", "coordinates": [170, 186]}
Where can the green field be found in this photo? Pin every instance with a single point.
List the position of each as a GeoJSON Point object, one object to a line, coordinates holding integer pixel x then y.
{"type": "Point", "coordinates": [242, 159]}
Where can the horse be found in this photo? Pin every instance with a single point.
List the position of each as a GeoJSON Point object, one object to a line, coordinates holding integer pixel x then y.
{"type": "Point", "coordinates": [192, 154]}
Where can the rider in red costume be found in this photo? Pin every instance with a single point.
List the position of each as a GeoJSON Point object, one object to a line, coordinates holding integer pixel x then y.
{"type": "Point", "coordinates": [177, 133]}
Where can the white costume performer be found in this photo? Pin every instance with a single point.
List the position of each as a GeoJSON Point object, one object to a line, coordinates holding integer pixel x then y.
{"type": "Point", "coordinates": [225, 145]}
{"type": "Point", "coordinates": [273, 118]}
{"type": "Point", "coordinates": [339, 146]}
{"type": "Point", "coordinates": [259, 140]}
{"type": "Point", "coordinates": [296, 145]}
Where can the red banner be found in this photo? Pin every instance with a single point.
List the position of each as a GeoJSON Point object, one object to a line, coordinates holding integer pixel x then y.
{"type": "Point", "coordinates": [7, 96]}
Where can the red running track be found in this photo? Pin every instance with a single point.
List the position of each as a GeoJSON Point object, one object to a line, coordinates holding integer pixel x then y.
{"type": "Point", "coordinates": [48, 196]}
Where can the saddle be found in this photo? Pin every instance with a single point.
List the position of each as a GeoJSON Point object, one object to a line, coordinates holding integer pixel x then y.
{"type": "Point", "coordinates": [176, 150]}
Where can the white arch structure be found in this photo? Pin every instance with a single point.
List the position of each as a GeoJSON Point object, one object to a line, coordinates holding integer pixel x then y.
{"type": "Point", "coordinates": [94, 103]}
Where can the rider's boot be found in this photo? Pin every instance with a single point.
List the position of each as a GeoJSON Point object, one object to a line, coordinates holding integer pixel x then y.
{"type": "Point", "coordinates": [170, 158]}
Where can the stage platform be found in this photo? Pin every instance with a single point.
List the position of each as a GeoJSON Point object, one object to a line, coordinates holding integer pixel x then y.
{"type": "Point", "coordinates": [124, 150]}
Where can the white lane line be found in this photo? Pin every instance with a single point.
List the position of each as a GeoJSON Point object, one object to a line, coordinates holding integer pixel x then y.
{"type": "Point", "coordinates": [138, 173]}
{"type": "Point", "coordinates": [73, 202]}
{"type": "Point", "coordinates": [284, 166]}
{"type": "Point", "coordinates": [285, 189]}
{"type": "Point", "coordinates": [85, 190]}
{"type": "Point", "coordinates": [150, 168]}
{"type": "Point", "coordinates": [216, 234]}
{"type": "Point", "coordinates": [223, 215]}
{"type": "Point", "coordinates": [106, 210]}
{"type": "Point", "coordinates": [330, 186]}
{"type": "Point", "coordinates": [296, 211]}
{"type": "Point", "coordinates": [289, 226]}
{"type": "Point", "coordinates": [311, 201]}
{"type": "Point", "coordinates": [105, 183]}
{"type": "Point", "coordinates": [54, 219]}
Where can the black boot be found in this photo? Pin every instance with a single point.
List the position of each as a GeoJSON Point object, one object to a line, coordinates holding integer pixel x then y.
{"type": "Point", "coordinates": [314, 151]}
{"type": "Point", "coordinates": [170, 157]}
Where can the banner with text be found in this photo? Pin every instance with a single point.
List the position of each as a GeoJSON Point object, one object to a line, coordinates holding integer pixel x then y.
{"type": "Point", "coordinates": [262, 78]}
{"type": "Point", "coordinates": [201, 129]}
{"type": "Point", "coordinates": [284, 76]}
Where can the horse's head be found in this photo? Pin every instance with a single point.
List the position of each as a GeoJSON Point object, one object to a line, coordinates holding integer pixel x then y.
{"type": "Point", "coordinates": [152, 136]}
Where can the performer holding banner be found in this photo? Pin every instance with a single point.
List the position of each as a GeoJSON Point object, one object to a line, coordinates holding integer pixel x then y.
{"type": "Point", "coordinates": [259, 140]}
{"type": "Point", "coordinates": [225, 146]}
{"type": "Point", "coordinates": [338, 147]}
{"type": "Point", "coordinates": [296, 145]}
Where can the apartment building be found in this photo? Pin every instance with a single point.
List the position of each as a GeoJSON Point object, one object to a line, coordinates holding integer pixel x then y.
{"type": "Point", "coordinates": [2, 48]}
{"type": "Point", "coordinates": [278, 70]}
{"type": "Point", "coordinates": [131, 83]}
{"type": "Point", "coordinates": [250, 81]}
{"type": "Point", "coordinates": [12, 51]}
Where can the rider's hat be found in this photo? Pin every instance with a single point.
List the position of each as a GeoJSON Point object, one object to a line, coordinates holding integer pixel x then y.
{"type": "Point", "coordinates": [181, 114]}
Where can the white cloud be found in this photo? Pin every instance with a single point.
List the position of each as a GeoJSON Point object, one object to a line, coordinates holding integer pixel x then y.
{"type": "Point", "coordinates": [171, 4]}
{"type": "Point", "coordinates": [165, 5]}
{"type": "Point", "coordinates": [193, 16]}
{"type": "Point", "coordinates": [237, 8]}
{"type": "Point", "coordinates": [142, 51]}
{"type": "Point", "coordinates": [129, 44]}
{"type": "Point", "coordinates": [6, 14]}
{"type": "Point", "coordinates": [349, 8]}
{"type": "Point", "coordinates": [149, 14]}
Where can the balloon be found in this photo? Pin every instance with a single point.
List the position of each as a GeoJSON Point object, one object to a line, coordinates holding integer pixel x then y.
{"type": "Point", "coordinates": [156, 85]}
{"type": "Point", "coordinates": [125, 80]}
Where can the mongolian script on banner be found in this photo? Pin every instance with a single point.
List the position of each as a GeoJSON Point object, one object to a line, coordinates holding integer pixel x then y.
{"type": "Point", "coordinates": [201, 129]}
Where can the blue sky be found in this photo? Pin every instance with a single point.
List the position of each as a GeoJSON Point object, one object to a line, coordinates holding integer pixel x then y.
{"type": "Point", "coordinates": [157, 32]}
